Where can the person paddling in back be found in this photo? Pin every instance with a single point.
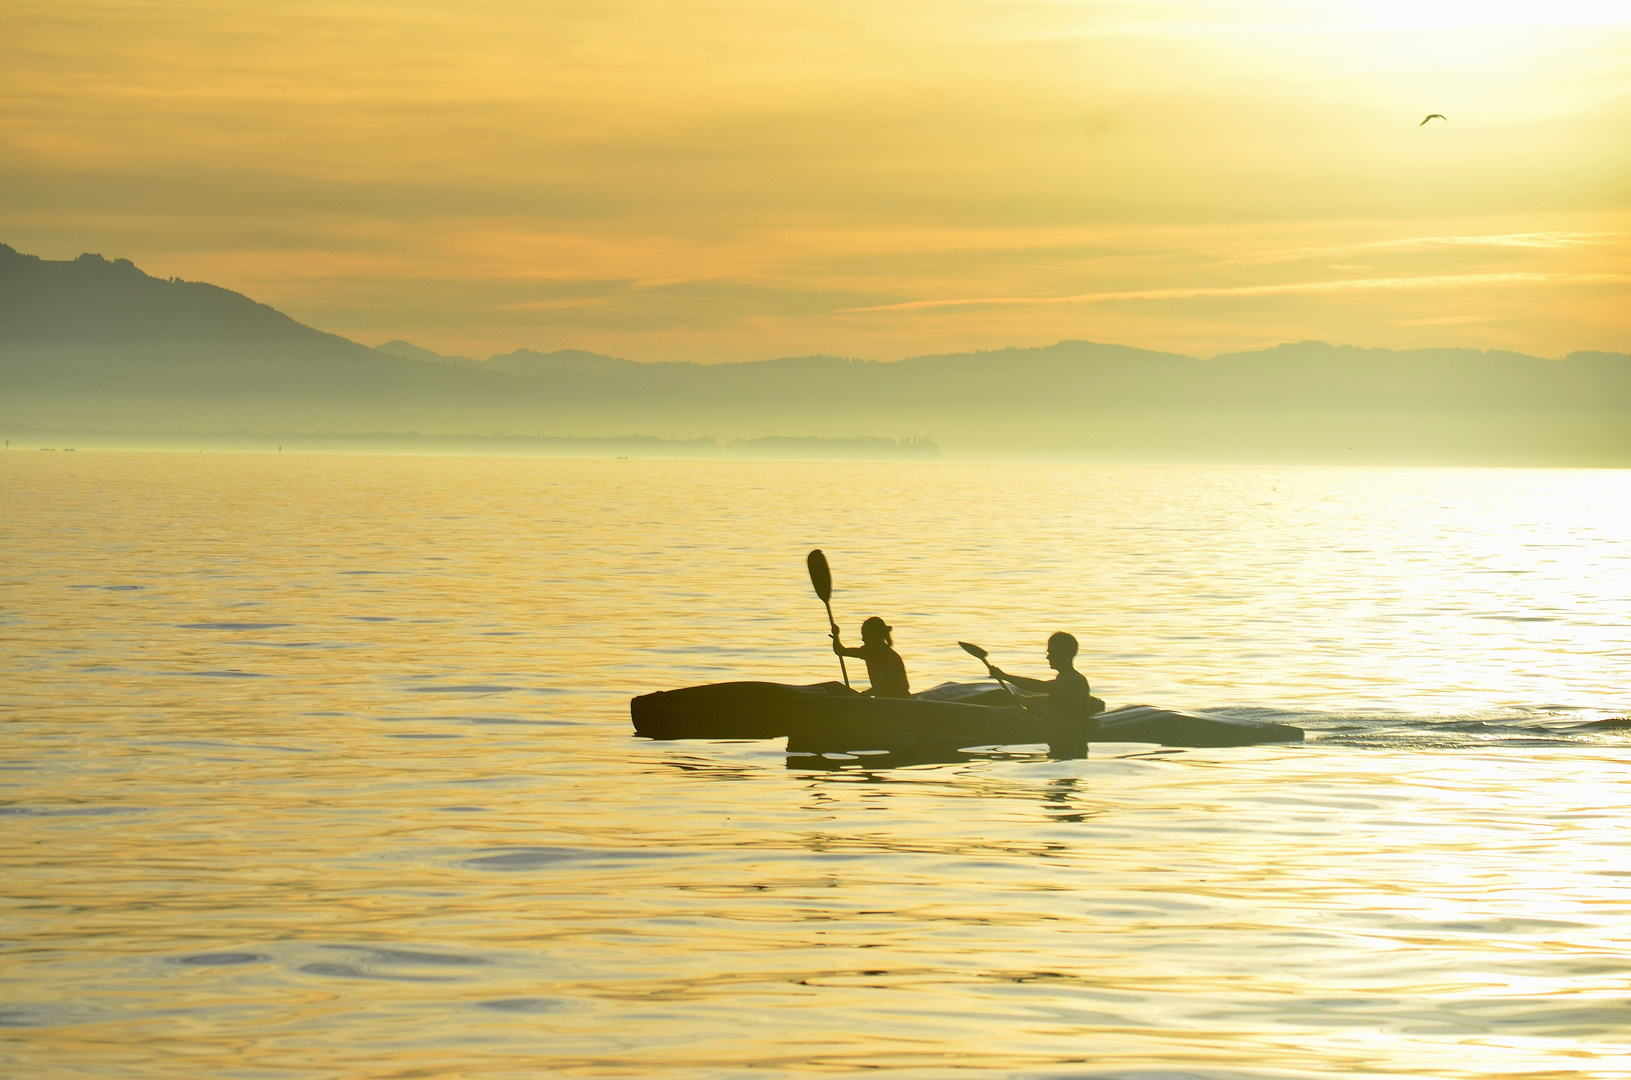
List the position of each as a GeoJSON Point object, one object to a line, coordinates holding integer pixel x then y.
{"type": "Point", "coordinates": [1068, 691]}
{"type": "Point", "coordinates": [884, 667]}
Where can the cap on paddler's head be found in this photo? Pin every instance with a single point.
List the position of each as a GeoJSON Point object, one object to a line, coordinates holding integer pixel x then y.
{"type": "Point", "coordinates": [875, 626]}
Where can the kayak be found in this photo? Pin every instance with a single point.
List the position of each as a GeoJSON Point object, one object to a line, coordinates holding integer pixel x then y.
{"type": "Point", "coordinates": [831, 717]}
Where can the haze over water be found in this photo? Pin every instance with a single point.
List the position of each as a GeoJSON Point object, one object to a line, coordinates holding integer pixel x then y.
{"type": "Point", "coordinates": [322, 766]}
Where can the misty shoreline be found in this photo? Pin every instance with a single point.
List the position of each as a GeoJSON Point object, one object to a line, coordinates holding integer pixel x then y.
{"type": "Point", "coordinates": [705, 448]}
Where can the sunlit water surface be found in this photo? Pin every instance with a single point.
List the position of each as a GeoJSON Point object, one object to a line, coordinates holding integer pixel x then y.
{"type": "Point", "coordinates": [321, 766]}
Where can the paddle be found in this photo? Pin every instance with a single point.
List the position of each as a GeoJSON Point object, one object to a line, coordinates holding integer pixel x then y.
{"type": "Point", "coordinates": [821, 579]}
{"type": "Point", "coordinates": [981, 655]}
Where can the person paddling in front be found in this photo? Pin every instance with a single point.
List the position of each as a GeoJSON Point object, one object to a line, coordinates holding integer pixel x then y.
{"type": "Point", "coordinates": [884, 667]}
{"type": "Point", "coordinates": [1068, 692]}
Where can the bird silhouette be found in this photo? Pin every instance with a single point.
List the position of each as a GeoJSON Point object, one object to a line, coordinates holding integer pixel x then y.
{"type": "Point", "coordinates": [1435, 116]}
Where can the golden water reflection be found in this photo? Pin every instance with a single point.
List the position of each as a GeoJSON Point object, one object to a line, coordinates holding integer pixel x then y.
{"type": "Point", "coordinates": [321, 766]}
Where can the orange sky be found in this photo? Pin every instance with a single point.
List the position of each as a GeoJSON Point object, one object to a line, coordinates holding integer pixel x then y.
{"type": "Point", "coordinates": [722, 180]}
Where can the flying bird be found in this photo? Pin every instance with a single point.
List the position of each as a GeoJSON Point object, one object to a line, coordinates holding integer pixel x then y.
{"type": "Point", "coordinates": [1435, 116]}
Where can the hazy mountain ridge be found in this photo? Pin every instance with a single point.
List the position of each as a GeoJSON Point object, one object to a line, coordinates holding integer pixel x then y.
{"type": "Point", "coordinates": [91, 299]}
{"type": "Point", "coordinates": [93, 343]}
{"type": "Point", "coordinates": [407, 350]}
{"type": "Point", "coordinates": [1096, 377]}
{"type": "Point", "coordinates": [89, 328]}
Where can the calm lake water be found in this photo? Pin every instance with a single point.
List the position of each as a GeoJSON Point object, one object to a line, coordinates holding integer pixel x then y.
{"type": "Point", "coordinates": [321, 766]}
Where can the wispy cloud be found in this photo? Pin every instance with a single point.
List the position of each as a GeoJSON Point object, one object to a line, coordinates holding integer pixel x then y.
{"type": "Point", "coordinates": [1531, 241]}
{"type": "Point", "coordinates": [554, 305]}
{"type": "Point", "coordinates": [1443, 281]}
{"type": "Point", "coordinates": [1523, 240]}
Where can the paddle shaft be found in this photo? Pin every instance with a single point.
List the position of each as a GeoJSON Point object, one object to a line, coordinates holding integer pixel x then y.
{"type": "Point", "coordinates": [1013, 691]}
{"type": "Point", "coordinates": [1002, 682]}
{"type": "Point", "coordinates": [991, 671]}
{"type": "Point", "coordinates": [984, 657]}
{"type": "Point", "coordinates": [842, 667]}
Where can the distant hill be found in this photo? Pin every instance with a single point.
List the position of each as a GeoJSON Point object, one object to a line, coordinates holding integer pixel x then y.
{"type": "Point", "coordinates": [104, 332]}
{"type": "Point", "coordinates": [407, 350]}
{"type": "Point", "coordinates": [565, 364]}
{"type": "Point", "coordinates": [92, 300]}
{"type": "Point", "coordinates": [89, 343]}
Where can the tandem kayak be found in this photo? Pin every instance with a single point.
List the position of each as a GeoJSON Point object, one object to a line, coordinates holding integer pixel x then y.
{"type": "Point", "coordinates": [831, 717]}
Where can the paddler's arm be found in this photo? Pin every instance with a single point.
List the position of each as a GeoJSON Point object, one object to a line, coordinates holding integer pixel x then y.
{"type": "Point", "coordinates": [840, 649]}
{"type": "Point", "coordinates": [1034, 685]}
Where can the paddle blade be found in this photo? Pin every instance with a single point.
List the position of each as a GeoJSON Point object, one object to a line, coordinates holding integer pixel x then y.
{"type": "Point", "coordinates": [974, 650]}
{"type": "Point", "coordinates": [820, 575]}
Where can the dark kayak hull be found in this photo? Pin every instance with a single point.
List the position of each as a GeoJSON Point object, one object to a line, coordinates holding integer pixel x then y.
{"type": "Point", "coordinates": [826, 713]}
{"type": "Point", "coordinates": [1148, 724]}
{"type": "Point", "coordinates": [828, 717]}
